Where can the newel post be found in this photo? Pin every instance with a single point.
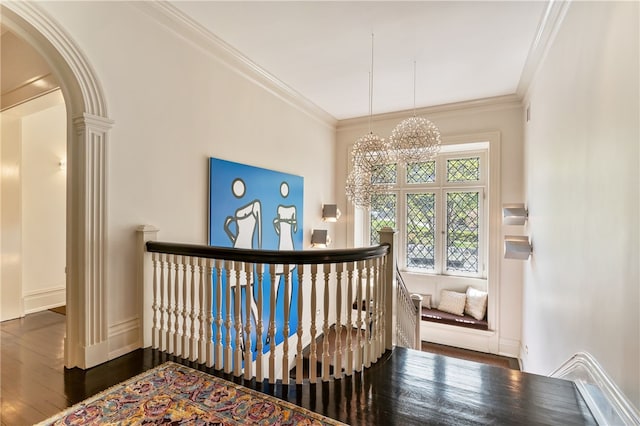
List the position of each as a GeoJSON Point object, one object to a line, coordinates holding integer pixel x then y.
{"type": "Point", "coordinates": [390, 236]}
{"type": "Point", "coordinates": [145, 281]}
{"type": "Point", "coordinates": [417, 302]}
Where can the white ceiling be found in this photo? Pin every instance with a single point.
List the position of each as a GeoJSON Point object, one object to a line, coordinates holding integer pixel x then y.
{"type": "Point", "coordinates": [322, 50]}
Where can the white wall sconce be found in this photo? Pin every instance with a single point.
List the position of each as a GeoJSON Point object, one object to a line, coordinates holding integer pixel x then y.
{"type": "Point", "coordinates": [62, 165]}
{"type": "Point", "coordinates": [330, 213]}
{"type": "Point", "coordinates": [320, 238]}
{"type": "Point", "coordinates": [514, 214]}
{"type": "Point", "coordinates": [517, 247]}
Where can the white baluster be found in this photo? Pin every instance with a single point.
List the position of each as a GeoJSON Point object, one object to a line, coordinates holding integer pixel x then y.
{"type": "Point", "coordinates": [177, 311]}
{"type": "Point", "coordinates": [155, 334]}
{"type": "Point", "coordinates": [299, 356]}
{"type": "Point", "coordinates": [207, 303]}
{"type": "Point", "coordinates": [170, 304]}
{"type": "Point", "coordinates": [164, 312]}
{"type": "Point", "coordinates": [326, 356]}
{"type": "Point", "coordinates": [380, 282]}
{"type": "Point", "coordinates": [313, 355]}
{"type": "Point", "coordinates": [375, 311]}
{"type": "Point", "coordinates": [260, 325]}
{"type": "Point", "coordinates": [248, 361]}
{"type": "Point", "coordinates": [193, 348]}
{"type": "Point", "coordinates": [218, 319]}
{"type": "Point", "coordinates": [202, 349]}
{"type": "Point", "coordinates": [185, 308]}
{"type": "Point", "coordinates": [358, 347]}
{"type": "Point", "coordinates": [272, 325]}
{"type": "Point", "coordinates": [228, 352]}
{"type": "Point", "coordinates": [285, 327]}
{"type": "Point", "coordinates": [367, 317]}
{"type": "Point", "coordinates": [237, 314]}
{"type": "Point", "coordinates": [349, 325]}
{"type": "Point", "coordinates": [337, 365]}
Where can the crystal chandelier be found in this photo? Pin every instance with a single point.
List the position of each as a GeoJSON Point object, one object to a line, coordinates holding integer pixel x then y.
{"type": "Point", "coordinates": [416, 139]}
{"type": "Point", "coordinates": [368, 152]}
{"type": "Point", "coordinates": [359, 186]}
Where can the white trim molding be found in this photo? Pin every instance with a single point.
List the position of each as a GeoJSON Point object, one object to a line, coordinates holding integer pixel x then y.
{"type": "Point", "coordinates": [175, 20]}
{"type": "Point", "coordinates": [549, 26]}
{"type": "Point", "coordinates": [89, 159]}
{"type": "Point", "coordinates": [495, 103]}
{"type": "Point", "coordinates": [41, 300]}
{"type": "Point", "coordinates": [65, 48]}
{"type": "Point", "coordinates": [461, 337]}
{"type": "Point", "coordinates": [86, 340]}
{"type": "Point", "coordinates": [606, 401]}
{"type": "Point", "coordinates": [124, 337]}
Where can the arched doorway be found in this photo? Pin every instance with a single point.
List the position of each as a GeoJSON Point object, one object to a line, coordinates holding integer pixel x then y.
{"type": "Point", "coordinates": [88, 125]}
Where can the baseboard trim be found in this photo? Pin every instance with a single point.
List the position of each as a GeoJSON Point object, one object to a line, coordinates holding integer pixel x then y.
{"type": "Point", "coordinates": [41, 300]}
{"type": "Point", "coordinates": [124, 337]}
{"type": "Point", "coordinates": [461, 337]}
{"type": "Point", "coordinates": [510, 348]}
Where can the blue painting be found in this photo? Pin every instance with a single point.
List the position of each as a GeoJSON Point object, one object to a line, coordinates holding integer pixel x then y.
{"type": "Point", "coordinates": [255, 208]}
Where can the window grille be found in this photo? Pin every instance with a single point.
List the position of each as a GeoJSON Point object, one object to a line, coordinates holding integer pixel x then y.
{"type": "Point", "coordinates": [438, 208]}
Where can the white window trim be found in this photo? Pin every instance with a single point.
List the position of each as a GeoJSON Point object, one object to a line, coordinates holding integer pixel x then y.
{"type": "Point", "coordinates": [440, 188]}
{"type": "Point", "coordinates": [493, 221]}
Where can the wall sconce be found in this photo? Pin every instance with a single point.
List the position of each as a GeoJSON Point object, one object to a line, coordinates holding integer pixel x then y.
{"type": "Point", "coordinates": [62, 165]}
{"type": "Point", "coordinates": [517, 247]}
{"type": "Point", "coordinates": [330, 213]}
{"type": "Point", "coordinates": [320, 238]}
{"type": "Point", "coordinates": [514, 214]}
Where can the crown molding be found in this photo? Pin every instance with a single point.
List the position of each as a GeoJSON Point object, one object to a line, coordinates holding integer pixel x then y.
{"type": "Point", "coordinates": [180, 23]}
{"type": "Point", "coordinates": [547, 30]}
{"type": "Point", "coordinates": [477, 105]}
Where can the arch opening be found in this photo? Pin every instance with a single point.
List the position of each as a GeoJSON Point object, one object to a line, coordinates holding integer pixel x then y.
{"type": "Point", "coordinates": [88, 126]}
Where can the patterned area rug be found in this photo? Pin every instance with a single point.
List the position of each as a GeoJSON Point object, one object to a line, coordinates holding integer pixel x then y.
{"type": "Point", "coordinates": [177, 395]}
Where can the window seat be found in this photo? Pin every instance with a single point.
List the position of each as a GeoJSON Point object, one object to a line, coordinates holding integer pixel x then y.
{"type": "Point", "coordinates": [434, 315]}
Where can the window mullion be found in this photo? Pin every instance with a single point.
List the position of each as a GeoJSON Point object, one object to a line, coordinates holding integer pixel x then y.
{"type": "Point", "coordinates": [440, 234]}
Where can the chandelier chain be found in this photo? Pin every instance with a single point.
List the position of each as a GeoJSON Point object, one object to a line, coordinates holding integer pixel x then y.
{"type": "Point", "coordinates": [414, 140]}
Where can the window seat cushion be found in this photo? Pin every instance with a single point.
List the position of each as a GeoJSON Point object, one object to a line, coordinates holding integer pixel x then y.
{"type": "Point", "coordinates": [441, 317]}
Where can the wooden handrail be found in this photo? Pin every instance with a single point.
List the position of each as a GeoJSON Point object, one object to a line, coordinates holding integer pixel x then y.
{"type": "Point", "coordinates": [294, 257]}
{"type": "Point", "coordinates": [196, 306]}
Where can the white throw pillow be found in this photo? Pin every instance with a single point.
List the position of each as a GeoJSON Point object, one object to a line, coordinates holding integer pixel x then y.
{"type": "Point", "coordinates": [452, 302]}
{"type": "Point", "coordinates": [476, 304]}
{"type": "Point", "coordinates": [426, 301]}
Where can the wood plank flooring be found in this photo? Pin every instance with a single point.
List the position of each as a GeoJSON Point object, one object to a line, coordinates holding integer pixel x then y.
{"type": "Point", "coordinates": [500, 361]}
{"type": "Point", "coordinates": [405, 388]}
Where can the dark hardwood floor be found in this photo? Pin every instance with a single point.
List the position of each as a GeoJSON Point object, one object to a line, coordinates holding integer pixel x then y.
{"type": "Point", "coordinates": [500, 361]}
{"type": "Point", "coordinates": [405, 388]}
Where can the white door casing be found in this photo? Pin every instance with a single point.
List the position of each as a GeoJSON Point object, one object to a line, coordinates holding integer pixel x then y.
{"type": "Point", "coordinates": [88, 125]}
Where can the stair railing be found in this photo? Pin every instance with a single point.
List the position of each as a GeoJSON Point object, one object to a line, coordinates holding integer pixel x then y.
{"type": "Point", "coordinates": [195, 307]}
{"type": "Point", "coordinates": [409, 308]}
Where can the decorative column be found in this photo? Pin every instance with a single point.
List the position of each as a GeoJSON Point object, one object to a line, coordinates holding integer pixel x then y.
{"type": "Point", "coordinates": [390, 236]}
{"type": "Point", "coordinates": [87, 339]}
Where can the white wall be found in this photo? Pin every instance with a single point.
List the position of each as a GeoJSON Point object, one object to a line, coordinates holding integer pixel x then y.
{"type": "Point", "coordinates": [503, 115]}
{"type": "Point", "coordinates": [11, 242]}
{"type": "Point", "coordinates": [44, 140]}
{"type": "Point", "coordinates": [33, 206]}
{"type": "Point", "coordinates": [581, 287]}
{"type": "Point", "coordinates": [175, 104]}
